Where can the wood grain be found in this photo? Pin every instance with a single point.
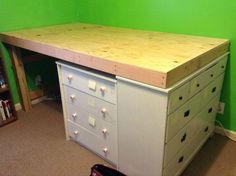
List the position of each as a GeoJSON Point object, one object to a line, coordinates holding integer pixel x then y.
{"type": "Point", "coordinates": [123, 52]}
{"type": "Point", "coordinates": [21, 79]}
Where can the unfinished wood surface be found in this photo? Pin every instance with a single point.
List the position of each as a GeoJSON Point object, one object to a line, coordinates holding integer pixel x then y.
{"type": "Point", "coordinates": [21, 79]}
{"type": "Point", "coordinates": [155, 58]}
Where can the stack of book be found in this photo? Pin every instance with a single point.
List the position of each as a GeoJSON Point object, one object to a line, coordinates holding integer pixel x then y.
{"type": "Point", "coordinates": [5, 110]}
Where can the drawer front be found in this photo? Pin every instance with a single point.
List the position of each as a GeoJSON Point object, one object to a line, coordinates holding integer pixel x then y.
{"type": "Point", "coordinates": [104, 110]}
{"type": "Point", "coordinates": [90, 84]}
{"type": "Point", "coordinates": [212, 89]}
{"type": "Point", "coordinates": [210, 110]}
{"type": "Point", "coordinates": [200, 81]}
{"type": "Point", "coordinates": [178, 97]}
{"type": "Point", "coordinates": [106, 131]}
{"type": "Point", "coordinates": [183, 115]}
{"type": "Point", "coordinates": [206, 116]}
{"type": "Point", "coordinates": [106, 150]}
{"type": "Point", "coordinates": [180, 159]}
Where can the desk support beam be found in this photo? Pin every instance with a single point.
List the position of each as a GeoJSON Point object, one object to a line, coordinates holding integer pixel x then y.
{"type": "Point", "coordinates": [18, 67]}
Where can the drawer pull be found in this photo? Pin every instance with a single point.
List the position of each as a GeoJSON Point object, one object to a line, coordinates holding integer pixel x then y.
{"type": "Point", "coordinates": [213, 90]}
{"type": "Point", "coordinates": [186, 114]}
{"type": "Point", "coordinates": [206, 129]}
{"type": "Point", "coordinates": [181, 159]}
{"type": "Point", "coordinates": [210, 110]}
{"type": "Point", "coordinates": [105, 150]}
{"type": "Point", "coordinates": [104, 131]}
{"type": "Point", "coordinates": [74, 115]}
{"type": "Point", "coordinates": [222, 66]}
{"type": "Point", "coordinates": [72, 97]}
{"type": "Point", "coordinates": [103, 89]}
{"type": "Point", "coordinates": [184, 137]}
{"type": "Point", "coordinates": [69, 77]}
{"type": "Point", "coordinates": [104, 110]}
{"type": "Point", "coordinates": [76, 132]}
{"type": "Point", "coordinates": [198, 85]}
{"type": "Point", "coordinates": [212, 75]}
{"type": "Point", "coordinates": [180, 98]}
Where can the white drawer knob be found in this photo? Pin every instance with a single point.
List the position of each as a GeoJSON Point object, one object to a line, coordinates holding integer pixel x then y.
{"type": "Point", "coordinates": [105, 150]}
{"type": "Point", "coordinates": [76, 132]}
{"type": "Point", "coordinates": [74, 115]}
{"type": "Point", "coordinates": [69, 77]}
{"type": "Point", "coordinates": [72, 97]}
{"type": "Point", "coordinates": [103, 89]}
{"type": "Point", "coordinates": [104, 131]}
{"type": "Point", "coordinates": [104, 110]}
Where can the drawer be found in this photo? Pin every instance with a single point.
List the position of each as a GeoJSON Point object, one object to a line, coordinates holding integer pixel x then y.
{"type": "Point", "coordinates": [106, 150]}
{"type": "Point", "coordinates": [200, 81]}
{"type": "Point", "coordinates": [90, 83]}
{"type": "Point", "coordinates": [206, 116]}
{"type": "Point", "coordinates": [221, 66]}
{"type": "Point", "coordinates": [178, 97]}
{"type": "Point", "coordinates": [104, 110]}
{"type": "Point", "coordinates": [212, 89]}
{"type": "Point", "coordinates": [181, 116]}
{"type": "Point", "coordinates": [179, 161]}
{"type": "Point", "coordinates": [210, 110]}
{"type": "Point", "coordinates": [106, 131]}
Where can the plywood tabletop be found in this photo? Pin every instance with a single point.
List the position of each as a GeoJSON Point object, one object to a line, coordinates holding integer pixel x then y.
{"type": "Point", "coordinates": [155, 58]}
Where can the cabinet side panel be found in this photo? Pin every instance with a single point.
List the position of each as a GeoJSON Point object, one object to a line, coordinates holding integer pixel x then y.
{"type": "Point", "coordinates": [141, 129]}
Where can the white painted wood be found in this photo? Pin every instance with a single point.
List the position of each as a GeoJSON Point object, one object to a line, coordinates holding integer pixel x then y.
{"type": "Point", "coordinates": [93, 142]}
{"type": "Point", "coordinates": [141, 129]}
{"type": "Point", "coordinates": [182, 115]}
{"type": "Point", "coordinates": [81, 117]}
{"type": "Point", "coordinates": [91, 104]}
{"type": "Point", "coordinates": [63, 99]}
{"type": "Point", "coordinates": [103, 87]}
{"type": "Point", "coordinates": [182, 159]}
{"type": "Point", "coordinates": [178, 97]}
{"type": "Point", "coordinates": [206, 115]}
{"type": "Point", "coordinates": [213, 88]}
{"type": "Point", "coordinates": [143, 124]}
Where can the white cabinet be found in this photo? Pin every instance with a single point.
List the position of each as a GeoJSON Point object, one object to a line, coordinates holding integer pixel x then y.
{"type": "Point", "coordinates": [143, 130]}
{"type": "Point", "coordinates": [90, 109]}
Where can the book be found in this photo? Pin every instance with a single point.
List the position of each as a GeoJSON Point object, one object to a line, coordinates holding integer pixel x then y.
{"type": "Point", "coordinates": [2, 110]}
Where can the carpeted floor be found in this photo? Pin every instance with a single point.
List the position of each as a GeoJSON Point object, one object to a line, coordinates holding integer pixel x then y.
{"type": "Point", "coordinates": [35, 145]}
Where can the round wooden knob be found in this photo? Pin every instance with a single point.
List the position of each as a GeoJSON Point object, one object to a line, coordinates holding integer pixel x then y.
{"type": "Point", "coordinates": [103, 89]}
{"type": "Point", "coordinates": [69, 77]}
{"type": "Point", "coordinates": [104, 110]}
{"type": "Point", "coordinates": [76, 132]}
{"type": "Point", "coordinates": [72, 97]}
{"type": "Point", "coordinates": [104, 131]}
{"type": "Point", "coordinates": [105, 150]}
{"type": "Point", "coordinates": [74, 115]}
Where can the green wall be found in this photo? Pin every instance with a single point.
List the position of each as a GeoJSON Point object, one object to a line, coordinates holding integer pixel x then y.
{"type": "Point", "coordinates": [16, 14]}
{"type": "Point", "coordinates": [213, 18]}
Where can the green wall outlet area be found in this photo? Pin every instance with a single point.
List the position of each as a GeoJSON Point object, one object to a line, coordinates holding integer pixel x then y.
{"type": "Point", "coordinates": [211, 18]}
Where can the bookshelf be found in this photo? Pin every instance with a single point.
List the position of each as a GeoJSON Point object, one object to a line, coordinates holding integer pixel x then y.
{"type": "Point", "coordinates": [7, 108]}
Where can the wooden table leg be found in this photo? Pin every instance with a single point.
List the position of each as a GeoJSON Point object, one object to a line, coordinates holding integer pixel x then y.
{"type": "Point", "coordinates": [20, 78]}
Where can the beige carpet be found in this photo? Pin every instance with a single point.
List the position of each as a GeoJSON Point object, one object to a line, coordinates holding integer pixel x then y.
{"type": "Point", "coordinates": [35, 145]}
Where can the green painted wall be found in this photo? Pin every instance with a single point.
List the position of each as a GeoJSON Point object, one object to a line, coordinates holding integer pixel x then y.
{"type": "Point", "coordinates": [213, 18]}
{"type": "Point", "coordinates": [16, 14]}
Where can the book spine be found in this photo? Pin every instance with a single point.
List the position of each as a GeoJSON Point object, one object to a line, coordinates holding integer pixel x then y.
{"type": "Point", "coordinates": [2, 110]}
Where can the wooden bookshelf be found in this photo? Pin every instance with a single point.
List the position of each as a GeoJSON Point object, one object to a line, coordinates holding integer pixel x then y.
{"type": "Point", "coordinates": [7, 108]}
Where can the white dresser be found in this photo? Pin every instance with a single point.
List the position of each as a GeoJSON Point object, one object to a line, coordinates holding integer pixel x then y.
{"type": "Point", "coordinates": [143, 130]}
{"type": "Point", "coordinates": [90, 109]}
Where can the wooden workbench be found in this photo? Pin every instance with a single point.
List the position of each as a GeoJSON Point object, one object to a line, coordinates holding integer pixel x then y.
{"type": "Point", "coordinates": [155, 58]}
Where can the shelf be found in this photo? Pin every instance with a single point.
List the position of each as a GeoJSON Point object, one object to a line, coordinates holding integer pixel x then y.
{"type": "Point", "coordinates": [8, 120]}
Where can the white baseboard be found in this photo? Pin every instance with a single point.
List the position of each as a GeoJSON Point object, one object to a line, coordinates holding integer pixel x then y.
{"type": "Point", "coordinates": [224, 132]}
{"type": "Point", "coordinates": [35, 101]}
